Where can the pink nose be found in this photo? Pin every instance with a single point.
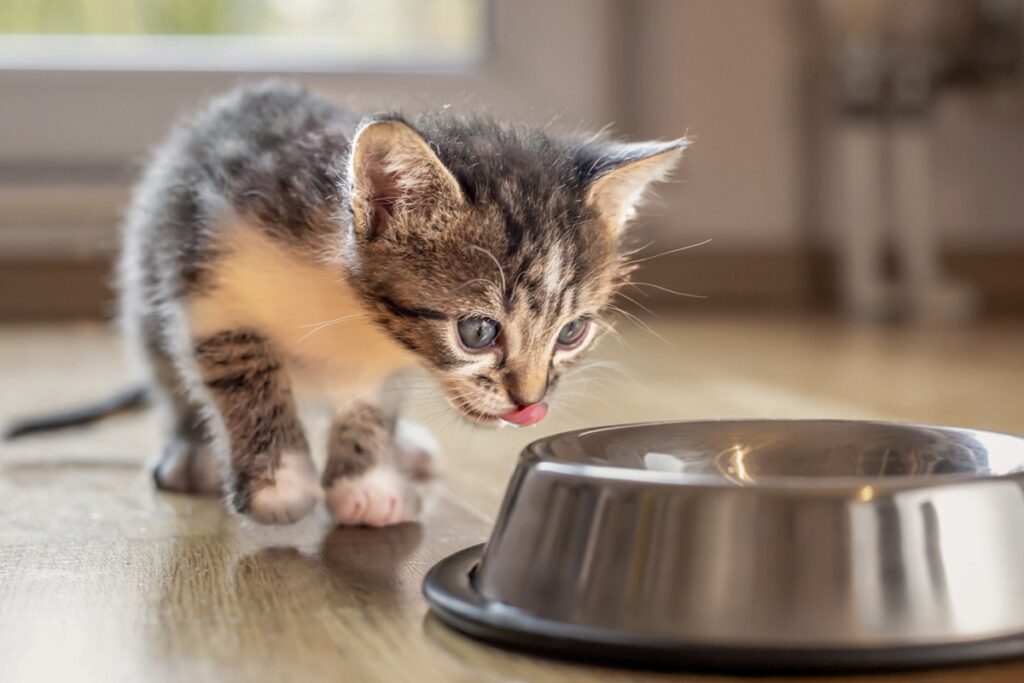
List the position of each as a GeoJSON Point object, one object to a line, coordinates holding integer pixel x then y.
{"type": "Point", "coordinates": [524, 416]}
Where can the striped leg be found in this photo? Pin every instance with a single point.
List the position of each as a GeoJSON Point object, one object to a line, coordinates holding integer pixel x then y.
{"type": "Point", "coordinates": [370, 466]}
{"type": "Point", "coordinates": [254, 422]}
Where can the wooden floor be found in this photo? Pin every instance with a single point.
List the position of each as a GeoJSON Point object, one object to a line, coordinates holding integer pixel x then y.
{"type": "Point", "coordinates": [104, 579]}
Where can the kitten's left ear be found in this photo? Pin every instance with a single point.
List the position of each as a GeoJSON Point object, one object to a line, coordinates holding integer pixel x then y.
{"type": "Point", "coordinates": [621, 173]}
{"type": "Point", "coordinates": [395, 175]}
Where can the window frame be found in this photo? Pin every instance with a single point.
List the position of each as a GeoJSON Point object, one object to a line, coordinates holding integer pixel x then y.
{"type": "Point", "coordinates": [81, 136]}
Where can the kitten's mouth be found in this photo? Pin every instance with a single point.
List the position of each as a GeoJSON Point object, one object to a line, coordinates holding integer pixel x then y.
{"type": "Point", "coordinates": [518, 417]}
{"type": "Point", "coordinates": [525, 416]}
{"type": "Point", "coordinates": [475, 415]}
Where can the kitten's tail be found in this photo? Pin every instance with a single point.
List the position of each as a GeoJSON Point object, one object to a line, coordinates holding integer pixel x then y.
{"type": "Point", "coordinates": [127, 400]}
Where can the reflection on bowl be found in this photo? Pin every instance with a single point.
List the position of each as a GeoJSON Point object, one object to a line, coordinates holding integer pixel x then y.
{"type": "Point", "coordinates": [766, 451]}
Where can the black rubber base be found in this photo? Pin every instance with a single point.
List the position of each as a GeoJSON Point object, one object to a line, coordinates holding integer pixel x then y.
{"type": "Point", "coordinates": [453, 599]}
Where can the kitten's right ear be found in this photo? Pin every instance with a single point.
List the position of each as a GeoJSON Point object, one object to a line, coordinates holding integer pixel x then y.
{"type": "Point", "coordinates": [394, 175]}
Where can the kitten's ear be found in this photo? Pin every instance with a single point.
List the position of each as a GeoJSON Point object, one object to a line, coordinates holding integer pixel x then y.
{"type": "Point", "coordinates": [394, 174]}
{"type": "Point", "coordinates": [620, 174]}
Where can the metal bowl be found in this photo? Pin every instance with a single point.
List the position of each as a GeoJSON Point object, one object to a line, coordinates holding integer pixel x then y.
{"type": "Point", "coordinates": [793, 544]}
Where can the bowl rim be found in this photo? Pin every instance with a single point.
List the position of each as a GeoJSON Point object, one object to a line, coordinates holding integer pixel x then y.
{"type": "Point", "coordinates": [537, 456]}
{"type": "Point", "coordinates": [453, 597]}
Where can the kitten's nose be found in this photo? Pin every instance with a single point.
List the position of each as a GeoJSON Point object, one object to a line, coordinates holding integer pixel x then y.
{"type": "Point", "coordinates": [527, 388]}
{"type": "Point", "coordinates": [523, 399]}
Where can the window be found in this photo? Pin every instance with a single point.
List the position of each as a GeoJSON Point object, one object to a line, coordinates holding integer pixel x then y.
{"type": "Point", "coordinates": [242, 35]}
{"type": "Point", "coordinates": [87, 86]}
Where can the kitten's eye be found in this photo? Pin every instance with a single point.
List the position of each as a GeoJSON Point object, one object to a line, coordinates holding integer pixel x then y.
{"type": "Point", "coordinates": [572, 333]}
{"type": "Point", "coordinates": [478, 332]}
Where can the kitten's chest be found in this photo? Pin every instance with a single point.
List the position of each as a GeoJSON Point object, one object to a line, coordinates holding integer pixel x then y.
{"type": "Point", "coordinates": [306, 308]}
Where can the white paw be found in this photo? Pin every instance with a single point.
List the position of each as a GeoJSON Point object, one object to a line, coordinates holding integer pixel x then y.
{"type": "Point", "coordinates": [378, 497]}
{"type": "Point", "coordinates": [417, 450]}
{"type": "Point", "coordinates": [292, 495]}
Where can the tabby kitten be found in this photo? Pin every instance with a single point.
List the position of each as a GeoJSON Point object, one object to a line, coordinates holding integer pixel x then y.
{"type": "Point", "coordinates": [276, 237]}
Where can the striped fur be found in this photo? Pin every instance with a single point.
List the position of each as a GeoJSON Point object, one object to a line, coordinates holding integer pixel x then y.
{"type": "Point", "coordinates": [273, 211]}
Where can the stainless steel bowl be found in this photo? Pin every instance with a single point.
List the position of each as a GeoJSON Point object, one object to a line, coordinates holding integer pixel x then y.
{"type": "Point", "coordinates": [796, 544]}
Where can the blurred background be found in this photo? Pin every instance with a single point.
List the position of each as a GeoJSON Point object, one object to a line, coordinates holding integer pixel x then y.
{"type": "Point", "coordinates": [856, 157]}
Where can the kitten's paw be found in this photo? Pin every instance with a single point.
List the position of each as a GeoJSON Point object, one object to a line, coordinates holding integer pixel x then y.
{"type": "Point", "coordinates": [188, 467]}
{"type": "Point", "coordinates": [379, 497]}
{"type": "Point", "coordinates": [290, 496]}
{"type": "Point", "coordinates": [416, 449]}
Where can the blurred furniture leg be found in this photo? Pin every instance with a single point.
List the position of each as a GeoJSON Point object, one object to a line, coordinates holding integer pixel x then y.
{"type": "Point", "coordinates": [859, 151]}
{"type": "Point", "coordinates": [861, 214]}
{"type": "Point", "coordinates": [926, 295]}
{"type": "Point", "coordinates": [887, 74]}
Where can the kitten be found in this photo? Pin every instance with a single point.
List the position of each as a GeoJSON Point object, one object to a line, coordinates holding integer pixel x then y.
{"type": "Point", "coordinates": [276, 238]}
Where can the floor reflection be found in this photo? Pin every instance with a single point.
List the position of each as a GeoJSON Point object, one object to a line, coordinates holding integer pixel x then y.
{"type": "Point", "coordinates": [272, 587]}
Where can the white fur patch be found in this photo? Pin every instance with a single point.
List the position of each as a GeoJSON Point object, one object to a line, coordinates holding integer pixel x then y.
{"type": "Point", "coordinates": [553, 271]}
{"type": "Point", "coordinates": [379, 497]}
{"type": "Point", "coordinates": [292, 495]}
{"type": "Point", "coordinates": [418, 450]}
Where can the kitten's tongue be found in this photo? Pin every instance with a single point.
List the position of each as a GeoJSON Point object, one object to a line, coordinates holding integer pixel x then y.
{"type": "Point", "coordinates": [524, 417]}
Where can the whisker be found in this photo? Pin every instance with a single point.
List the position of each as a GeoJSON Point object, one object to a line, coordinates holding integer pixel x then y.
{"type": "Point", "coordinates": [476, 280]}
{"type": "Point", "coordinates": [602, 365]}
{"type": "Point", "coordinates": [666, 289]}
{"type": "Point", "coordinates": [637, 303]}
{"type": "Point", "coordinates": [319, 326]}
{"type": "Point", "coordinates": [608, 328]}
{"type": "Point", "coordinates": [637, 250]}
{"type": "Point", "coordinates": [331, 322]}
{"type": "Point", "coordinates": [586, 396]}
{"type": "Point", "coordinates": [666, 253]}
{"type": "Point", "coordinates": [501, 271]}
{"type": "Point", "coordinates": [641, 323]}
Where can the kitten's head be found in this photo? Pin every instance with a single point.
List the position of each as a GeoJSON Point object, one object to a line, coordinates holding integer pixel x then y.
{"type": "Point", "coordinates": [492, 252]}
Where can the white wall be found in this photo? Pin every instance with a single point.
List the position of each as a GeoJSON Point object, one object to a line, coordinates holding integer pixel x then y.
{"type": "Point", "coordinates": [729, 74]}
{"type": "Point", "coordinates": [979, 169]}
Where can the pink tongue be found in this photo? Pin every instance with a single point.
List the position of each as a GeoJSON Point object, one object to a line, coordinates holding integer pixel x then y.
{"type": "Point", "coordinates": [524, 417]}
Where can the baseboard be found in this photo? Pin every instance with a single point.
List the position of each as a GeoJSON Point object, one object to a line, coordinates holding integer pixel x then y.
{"type": "Point", "coordinates": [807, 281]}
{"type": "Point", "coordinates": [772, 280]}
{"type": "Point", "coordinates": [727, 280]}
{"type": "Point", "coordinates": [998, 277]}
{"type": "Point", "coordinates": [56, 290]}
